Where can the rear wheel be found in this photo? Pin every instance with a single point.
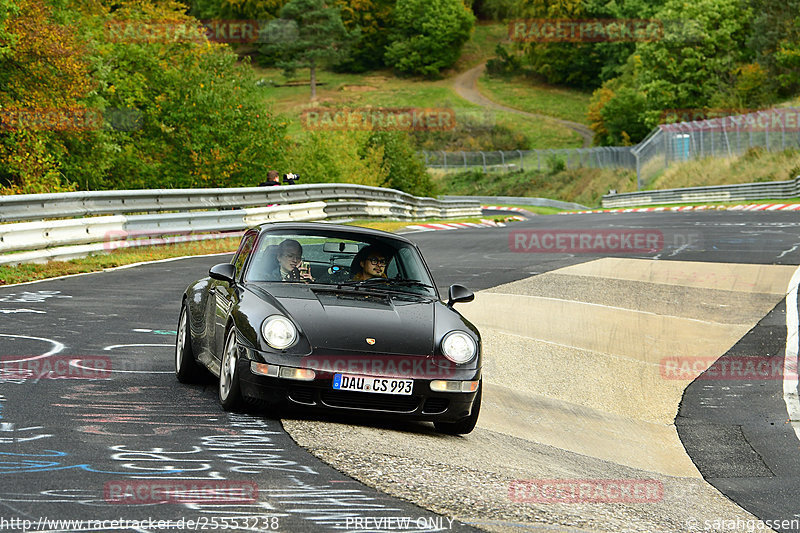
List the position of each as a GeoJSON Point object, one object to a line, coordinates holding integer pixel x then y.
{"type": "Point", "coordinates": [230, 396]}
{"type": "Point", "coordinates": [465, 425]}
{"type": "Point", "coordinates": [187, 370]}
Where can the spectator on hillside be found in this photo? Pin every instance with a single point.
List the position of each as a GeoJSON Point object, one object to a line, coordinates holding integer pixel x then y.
{"type": "Point", "coordinates": [273, 178]}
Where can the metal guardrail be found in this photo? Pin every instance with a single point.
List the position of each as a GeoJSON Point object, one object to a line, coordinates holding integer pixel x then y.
{"type": "Point", "coordinates": [519, 200]}
{"type": "Point", "coordinates": [73, 204]}
{"type": "Point", "coordinates": [714, 193]}
{"type": "Point", "coordinates": [193, 214]}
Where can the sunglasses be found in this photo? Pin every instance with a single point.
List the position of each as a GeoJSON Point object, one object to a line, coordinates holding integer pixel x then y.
{"type": "Point", "coordinates": [377, 261]}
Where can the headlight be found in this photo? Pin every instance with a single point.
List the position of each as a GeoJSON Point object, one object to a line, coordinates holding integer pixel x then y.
{"type": "Point", "coordinates": [279, 332]}
{"type": "Point", "coordinates": [459, 347]}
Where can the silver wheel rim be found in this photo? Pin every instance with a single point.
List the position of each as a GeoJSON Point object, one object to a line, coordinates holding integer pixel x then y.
{"type": "Point", "coordinates": [228, 368]}
{"type": "Point", "coordinates": [181, 342]}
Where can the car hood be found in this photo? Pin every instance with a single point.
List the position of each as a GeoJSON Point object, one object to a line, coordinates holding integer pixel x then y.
{"type": "Point", "coordinates": [342, 321]}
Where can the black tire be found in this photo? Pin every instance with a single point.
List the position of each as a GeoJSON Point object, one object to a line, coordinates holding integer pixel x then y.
{"type": "Point", "coordinates": [465, 425]}
{"type": "Point", "coordinates": [230, 394]}
{"type": "Point", "coordinates": [187, 369]}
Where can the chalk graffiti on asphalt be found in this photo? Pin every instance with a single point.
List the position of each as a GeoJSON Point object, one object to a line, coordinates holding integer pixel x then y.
{"type": "Point", "coordinates": [31, 297]}
{"type": "Point", "coordinates": [7, 430]}
{"type": "Point", "coordinates": [22, 463]}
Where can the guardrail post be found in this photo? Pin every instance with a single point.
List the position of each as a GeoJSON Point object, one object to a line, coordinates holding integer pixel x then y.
{"type": "Point", "coordinates": [521, 162]}
{"type": "Point", "coordinates": [702, 147]}
{"type": "Point", "coordinates": [445, 159]}
{"type": "Point", "coordinates": [463, 153]}
{"type": "Point", "coordinates": [783, 136]}
{"type": "Point", "coordinates": [503, 160]}
{"type": "Point", "coordinates": [638, 173]}
{"type": "Point", "coordinates": [484, 161]}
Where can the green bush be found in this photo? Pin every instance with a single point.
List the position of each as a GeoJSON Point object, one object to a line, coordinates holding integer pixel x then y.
{"type": "Point", "coordinates": [474, 131]}
{"type": "Point", "coordinates": [555, 164]}
{"type": "Point", "coordinates": [405, 171]}
{"type": "Point", "coordinates": [428, 35]}
{"type": "Point", "coordinates": [337, 157]}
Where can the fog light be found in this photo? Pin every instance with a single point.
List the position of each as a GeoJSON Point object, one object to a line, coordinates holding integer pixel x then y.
{"type": "Point", "coordinates": [264, 369]}
{"type": "Point", "coordinates": [441, 385]}
{"type": "Point", "coordinates": [300, 374]}
{"type": "Point", "coordinates": [469, 386]}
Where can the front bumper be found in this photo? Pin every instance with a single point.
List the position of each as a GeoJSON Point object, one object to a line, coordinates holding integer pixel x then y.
{"type": "Point", "coordinates": [319, 395]}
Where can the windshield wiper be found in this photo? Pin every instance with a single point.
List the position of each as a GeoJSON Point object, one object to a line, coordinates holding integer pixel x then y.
{"type": "Point", "coordinates": [411, 283]}
{"type": "Point", "coordinates": [387, 284]}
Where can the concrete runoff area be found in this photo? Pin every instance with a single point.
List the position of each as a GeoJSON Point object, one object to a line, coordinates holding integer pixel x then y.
{"type": "Point", "coordinates": [575, 389]}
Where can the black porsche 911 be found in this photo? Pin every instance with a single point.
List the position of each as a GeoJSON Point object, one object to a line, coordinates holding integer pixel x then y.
{"type": "Point", "coordinates": [332, 317]}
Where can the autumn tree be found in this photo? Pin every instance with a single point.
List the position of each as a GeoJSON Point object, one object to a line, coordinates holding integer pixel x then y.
{"type": "Point", "coordinates": [43, 76]}
{"type": "Point", "coordinates": [317, 38]}
{"type": "Point", "coordinates": [428, 35]}
{"type": "Point", "coordinates": [371, 21]}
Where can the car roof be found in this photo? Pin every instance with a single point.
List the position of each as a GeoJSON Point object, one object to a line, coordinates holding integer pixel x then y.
{"type": "Point", "coordinates": [340, 228]}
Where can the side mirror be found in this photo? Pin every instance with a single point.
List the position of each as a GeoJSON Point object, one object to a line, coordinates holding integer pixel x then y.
{"type": "Point", "coordinates": [458, 294]}
{"type": "Point", "coordinates": [222, 272]}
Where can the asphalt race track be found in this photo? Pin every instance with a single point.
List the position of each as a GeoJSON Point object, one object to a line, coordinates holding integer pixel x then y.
{"type": "Point", "coordinates": [68, 446]}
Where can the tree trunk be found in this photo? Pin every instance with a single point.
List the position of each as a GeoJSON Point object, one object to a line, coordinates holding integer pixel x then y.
{"type": "Point", "coordinates": [313, 80]}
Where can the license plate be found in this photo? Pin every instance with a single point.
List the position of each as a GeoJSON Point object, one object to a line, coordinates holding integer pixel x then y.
{"type": "Point", "coordinates": [373, 384]}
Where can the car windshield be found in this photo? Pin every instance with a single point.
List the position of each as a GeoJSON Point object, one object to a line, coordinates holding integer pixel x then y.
{"type": "Point", "coordinates": [346, 260]}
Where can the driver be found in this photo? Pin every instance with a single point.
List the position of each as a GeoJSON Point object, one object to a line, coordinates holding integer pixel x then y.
{"type": "Point", "coordinates": [370, 262]}
{"type": "Point", "coordinates": [290, 265]}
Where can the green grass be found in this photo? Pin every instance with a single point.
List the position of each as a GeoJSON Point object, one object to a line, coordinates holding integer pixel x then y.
{"type": "Point", "coordinates": [539, 210]}
{"type": "Point", "coordinates": [541, 134]}
{"type": "Point", "coordinates": [481, 46]}
{"type": "Point", "coordinates": [383, 89]}
{"type": "Point", "coordinates": [521, 93]}
{"type": "Point", "coordinates": [756, 165]}
{"type": "Point", "coordinates": [584, 186]}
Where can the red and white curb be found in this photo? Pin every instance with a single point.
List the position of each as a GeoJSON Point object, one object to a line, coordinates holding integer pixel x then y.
{"type": "Point", "coordinates": [454, 225]}
{"type": "Point", "coordinates": [749, 207]}
{"type": "Point", "coordinates": [506, 208]}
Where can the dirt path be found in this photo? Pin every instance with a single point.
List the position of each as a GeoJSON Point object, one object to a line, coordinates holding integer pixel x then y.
{"type": "Point", "coordinates": [466, 85]}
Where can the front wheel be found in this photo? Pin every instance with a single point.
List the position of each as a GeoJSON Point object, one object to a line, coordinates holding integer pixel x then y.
{"type": "Point", "coordinates": [187, 370]}
{"type": "Point", "coordinates": [230, 396]}
{"type": "Point", "coordinates": [465, 425]}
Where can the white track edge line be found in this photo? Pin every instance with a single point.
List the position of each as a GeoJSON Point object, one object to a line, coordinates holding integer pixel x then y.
{"type": "Point", "coordinates": [790, 396]}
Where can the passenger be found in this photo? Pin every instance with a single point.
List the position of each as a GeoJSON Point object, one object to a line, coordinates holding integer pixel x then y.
{"type": "Point", "coordinates": [290, 265]}
{"type": "Point", "coordinates": [370, 262]}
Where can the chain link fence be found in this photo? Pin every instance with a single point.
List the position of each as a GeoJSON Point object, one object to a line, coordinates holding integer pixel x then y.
{"type": "Point", "coordinates": [728, 136]}
{"type": "Point", "coordinates": [507, 161]}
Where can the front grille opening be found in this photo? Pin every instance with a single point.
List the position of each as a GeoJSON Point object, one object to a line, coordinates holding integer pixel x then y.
{"type": "Point", "coordinates": [434, 406]}
{"type": "Point", "coordinates": [303, 395]}
{"type": "Point", "coordinates": [371, 402]}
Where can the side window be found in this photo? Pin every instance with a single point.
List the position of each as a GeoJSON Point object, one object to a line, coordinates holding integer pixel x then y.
{"type": "Point", "coordinates": [244, 252]}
